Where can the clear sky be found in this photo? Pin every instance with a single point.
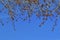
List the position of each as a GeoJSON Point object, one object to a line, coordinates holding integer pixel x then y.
{"type": "Point", "coordinates": [26, 30]}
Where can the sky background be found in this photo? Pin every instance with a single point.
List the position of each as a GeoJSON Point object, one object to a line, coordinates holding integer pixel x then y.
{"type": "Point", "coordinates": [26, 30]}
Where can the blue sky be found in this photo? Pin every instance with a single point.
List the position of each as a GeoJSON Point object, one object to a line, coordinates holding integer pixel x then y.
{"type": "Point", "coordinates": [26, 30]}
